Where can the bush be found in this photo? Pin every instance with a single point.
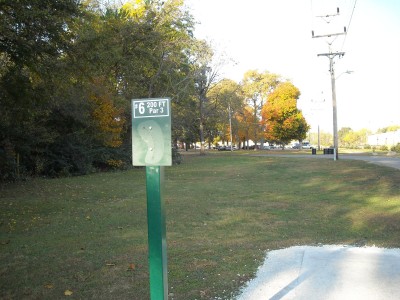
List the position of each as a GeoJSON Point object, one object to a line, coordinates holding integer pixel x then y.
{"type": "Point", "coordinates": [383, 148]}
{"type": "Point", "coordinates": [396, 148]}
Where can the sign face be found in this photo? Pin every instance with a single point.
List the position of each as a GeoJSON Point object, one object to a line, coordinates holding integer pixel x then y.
{"type": "Point", "coordinates": [151, 108]}
{"type": "Point", "coordinates": [151, 132]}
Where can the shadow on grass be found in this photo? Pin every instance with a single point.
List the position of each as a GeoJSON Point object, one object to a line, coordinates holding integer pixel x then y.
{"type": "Point", "coordinates": [223, 213]}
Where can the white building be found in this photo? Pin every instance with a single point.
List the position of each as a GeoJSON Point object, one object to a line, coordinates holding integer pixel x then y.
{"type": "Point", "coordinates": [390, 138]}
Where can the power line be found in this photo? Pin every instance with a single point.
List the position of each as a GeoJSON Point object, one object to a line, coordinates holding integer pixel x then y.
{"type": "Point", "coordinates": [348, 26]}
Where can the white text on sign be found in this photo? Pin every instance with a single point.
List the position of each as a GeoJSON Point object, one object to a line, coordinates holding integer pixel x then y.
{"type": "Point", "coordinates": [150, 108]}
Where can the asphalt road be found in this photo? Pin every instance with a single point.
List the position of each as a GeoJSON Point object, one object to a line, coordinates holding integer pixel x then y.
{"type": "Point", "coordinates": [388, 161]}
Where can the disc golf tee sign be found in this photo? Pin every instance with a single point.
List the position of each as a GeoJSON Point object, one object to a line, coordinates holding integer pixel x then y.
{"type": "Point", "coordinates": [151, 147]}
{"type": "Point", "coordinates": [151, 132]}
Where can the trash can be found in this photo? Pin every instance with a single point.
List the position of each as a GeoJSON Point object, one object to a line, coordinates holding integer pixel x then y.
{"type": "Point", "coordinates": [313, 151]}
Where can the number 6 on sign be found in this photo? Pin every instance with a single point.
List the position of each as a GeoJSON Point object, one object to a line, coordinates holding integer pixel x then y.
{"type": "Point", "coordinates": [141, 108]}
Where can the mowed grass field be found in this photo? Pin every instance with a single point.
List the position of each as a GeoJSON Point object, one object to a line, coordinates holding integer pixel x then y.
{"type": "Point", "coordinates": [86, 237]}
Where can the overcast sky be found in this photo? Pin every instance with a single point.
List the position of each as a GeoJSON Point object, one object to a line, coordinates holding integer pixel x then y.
{"type": "Point", "coordinates": [275, 35]}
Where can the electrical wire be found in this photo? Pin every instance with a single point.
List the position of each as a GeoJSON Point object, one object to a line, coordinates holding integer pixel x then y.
{"type": "Point", "coordinates": [348, 26]}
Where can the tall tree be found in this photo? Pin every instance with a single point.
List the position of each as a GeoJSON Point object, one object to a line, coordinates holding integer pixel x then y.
{"type": "Point", "coordinates": [283, 120]}
{"type": "Point", "coordinates": [257, 86]}
{"type": "Point", "coordinates": [246, 122]}
{"type": "Point", "coordinates": [205, 75]}
{"type": "Point", "coordinates": [68, 72]}
{"type": "Point", "coordinates": [33, 36]}
{"type": "Point", "coordinates": [225, 101]}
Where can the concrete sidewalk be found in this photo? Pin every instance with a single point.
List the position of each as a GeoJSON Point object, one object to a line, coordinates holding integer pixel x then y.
{"type": "Point", "coordinates": [328, 272]}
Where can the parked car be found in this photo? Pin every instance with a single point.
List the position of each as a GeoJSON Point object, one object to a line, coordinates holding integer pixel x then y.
{"type": "Point", "coordinates": [247, 147]}
{"type": "Point", "coordinates": [227, 148]}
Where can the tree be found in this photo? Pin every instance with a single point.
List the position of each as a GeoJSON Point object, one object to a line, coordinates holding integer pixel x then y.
{"type": "Point", "coordinates": [352, 139]}
{"type": "Point", "coordinates": [256, 87]}
{"type": "Point", "coordinates": [34, 35]}
{"type": "Point", "coordinates": [205, 75]}
{"type": "Point", "coordinates": [69, 71]}
{"type": "Point", "coordinates": [388, 129]}
{"type": "Point", "coordinates": [225, 101]}
{"type": "Point", "coordinates": [281, 117]}
{"type": "Point", "coordinates": [246, 123]}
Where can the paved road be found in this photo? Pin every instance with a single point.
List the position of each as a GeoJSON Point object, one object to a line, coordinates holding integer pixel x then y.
{"type": "Point", "coordinates": [388, 161]}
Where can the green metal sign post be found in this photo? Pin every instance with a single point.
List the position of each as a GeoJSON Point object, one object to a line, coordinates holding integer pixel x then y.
{"type": "Point", "coordinates": [151, 147]}
{"type": "Point", "coordinates": [156, 234]}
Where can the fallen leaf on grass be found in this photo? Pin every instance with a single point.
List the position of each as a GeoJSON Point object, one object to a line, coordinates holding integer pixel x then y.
{"type": "Point", "coordinates": [110, 265]}
{"type": "Point", "coordinates": [68, 293]}
{"type": "Point", "coordinates": [131, 267]}
{"type": "Point", "coordinates": [49, 286]}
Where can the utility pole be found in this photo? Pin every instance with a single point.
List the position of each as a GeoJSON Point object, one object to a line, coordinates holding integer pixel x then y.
{"type": "Point", "coordinates": [331, 55]}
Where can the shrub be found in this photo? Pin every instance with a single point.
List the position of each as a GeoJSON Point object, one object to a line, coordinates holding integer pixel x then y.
{"type": "Point", "coordinates": [383, 148]}
{"type": "Point", "coordinates": [396, 148]}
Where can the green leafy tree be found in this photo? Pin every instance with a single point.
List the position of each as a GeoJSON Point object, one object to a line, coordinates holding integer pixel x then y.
{"type": "Point", "coordinates": [34, 35]}
{"type": "Point", "coordinates": [205, 74]}
{"type": "Point", "coordinates": [69, 71]}
{"type": "Point", "coordinates": [388, 129]}
{"type": "Point", "coordinates": [225, 102]}
{"type": "Point", "coordinates": [349, 138]}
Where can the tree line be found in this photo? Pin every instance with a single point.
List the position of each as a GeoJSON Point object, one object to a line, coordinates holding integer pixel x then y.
{"type": "Point", "coordinates": [69, 69]}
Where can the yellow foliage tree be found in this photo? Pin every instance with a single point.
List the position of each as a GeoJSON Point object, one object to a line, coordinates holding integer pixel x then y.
{"type": "Point", "coordinates": [281, 117]}
{"type": "Point", "coordinates": [247, 123]}
{"type": "Point", "coordinates": [108, 119]}
{"type": "Point", "coordinates": [134, 9]}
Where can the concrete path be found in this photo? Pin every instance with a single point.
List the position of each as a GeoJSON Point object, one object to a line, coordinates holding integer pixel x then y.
{"type": "Point", "coordinates": [328, 272]}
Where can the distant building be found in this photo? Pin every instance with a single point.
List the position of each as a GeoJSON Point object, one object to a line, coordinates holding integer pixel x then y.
{"type": "Point", "coordinates": [390, 138]}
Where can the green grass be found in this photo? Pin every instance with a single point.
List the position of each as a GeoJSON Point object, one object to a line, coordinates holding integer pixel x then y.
{"type": "Point", "coordinates": [224, 211]}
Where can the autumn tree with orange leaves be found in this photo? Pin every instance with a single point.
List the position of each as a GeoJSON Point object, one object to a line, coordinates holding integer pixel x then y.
{"type": "Point", "coordinates": [247, 124]}
{"type": "Point", "coordinates": [281, 118]}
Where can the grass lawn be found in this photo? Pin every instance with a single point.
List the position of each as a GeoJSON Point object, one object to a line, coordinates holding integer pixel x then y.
{"type": "Point", "coordinates": [88, 235]}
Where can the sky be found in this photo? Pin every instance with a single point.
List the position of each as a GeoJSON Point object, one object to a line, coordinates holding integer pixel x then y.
{"type": "Point", "coordinates": [275, 36]}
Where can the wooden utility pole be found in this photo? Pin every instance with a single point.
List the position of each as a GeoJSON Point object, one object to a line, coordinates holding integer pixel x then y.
{"type": "Point", "coordinates": [331, 55]}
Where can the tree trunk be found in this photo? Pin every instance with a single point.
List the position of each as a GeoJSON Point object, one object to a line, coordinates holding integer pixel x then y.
{"type": "Point", "coordinates": [202, 149]}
